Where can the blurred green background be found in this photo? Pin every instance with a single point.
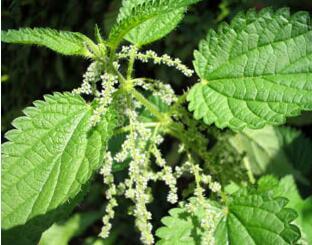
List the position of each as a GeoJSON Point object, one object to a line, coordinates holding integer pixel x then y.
{"type": "Point", "coordinates": [30, 72]}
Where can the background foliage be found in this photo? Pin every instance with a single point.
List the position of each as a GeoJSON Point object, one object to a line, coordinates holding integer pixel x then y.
{"type": "Point", "coordinates": [28, 73]}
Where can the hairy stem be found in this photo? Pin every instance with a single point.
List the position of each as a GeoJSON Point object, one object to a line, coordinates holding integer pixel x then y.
{"type": "Point", "coordinates": [250, 175]}
{"type": "Point", "coordinates": [128, 128]}
{"type": "Point", "coordinates": [131, 63]}
{"type": "Point", "coordinates": [175, 129]}
{"type": "Point", "coordinates": [152, 108]}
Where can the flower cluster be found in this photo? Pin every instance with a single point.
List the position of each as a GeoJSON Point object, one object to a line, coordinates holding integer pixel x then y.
{"type": "Point", "coordinates": [142, 142]}
{"type": "Point", "coordinates": [210, 217]}
{"type": "Point", "coordinates": [171, 181]}
{"type": "Point", "coordinates": [139, 144]}
{"type": "Point", "coordinates": [105, 96]}
{"type": "Point", "coordinates": [108, 179]}
{"type": "Point", "coordinates": [201, 178]}
{"type": "Point", "coordinates": [91, 76]}
{"type": "Point", "coordinates": [163, 91]}
{"type": "Point", "coordinates": [211, 214]}
{"type": "Point", "coordinates": [138, 176]}
{"type": "Point", "coordinates": [165, 59]}
{"type": "Point", "coordinates": [209, 222]}
{"type": "Point", "coordinates": [166, 93]}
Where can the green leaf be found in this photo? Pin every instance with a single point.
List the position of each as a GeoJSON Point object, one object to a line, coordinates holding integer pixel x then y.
{"type": "Point", "coordinates": [181, 227]}
{"type": "Point", "coordinates": [257, 218]}
{"type": "Point", "coordinates": [275, 150]}
{"type": "Point", "coordinates": [61, 233]}
{"type": "Point", "coordinates": [31, 231]}
{"type": "Point", "coordinates": [111, 240]}
{"type": "Point", "coordinates": [147, 116]}
{"type": "Point", "coordinates": [255, 71]}
{"type": "Point", "coordinates": [114, 146]}
{"type": "Point", "coordinates": [287, 187]}
{"type": "Point", "coordinates": [305, 219]}
{"type": "Point", "coordinates": [250, 216]}
{"type": "Point", "coordinates": [144, 21]}
{"type": "Point", "coordinates": [297, 148]}
{"type": "Point", "coordinates": [64, 42]}
{"type": "Point", "coordinates": [49, 158]}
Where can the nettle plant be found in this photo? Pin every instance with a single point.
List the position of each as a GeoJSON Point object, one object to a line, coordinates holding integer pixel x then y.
{"type": "Point", "coordinates": [253, 74]}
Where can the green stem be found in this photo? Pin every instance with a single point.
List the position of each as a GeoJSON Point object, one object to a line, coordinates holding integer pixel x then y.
{"type": "Point", "coordinates": [176, 130]}
{"type": "Point", "coordinates": [128, 83]}
{"type": "Point", "coordinates": [224, 197]}
{"type": "Point", "coordinates": [131, 63]}
{"type": "Point", "coordinates": [93, 87]}
{"type": "Point", "coordinates": [146, 79]}
{"type": "Point", "coordinates": [128, 128]}
{"type": "Point", "coordinates": [151, 142]}
{"type": "Point", "coordinates": [173, 128]}
{"type": "Point", "coordinates": [195, 170]}
{"type": "Point", "coordinates": [250, 175]}
{"type": "Point", "coordinates": [120, 76]}
{"type": "Point", "coordinates": [152, 108]}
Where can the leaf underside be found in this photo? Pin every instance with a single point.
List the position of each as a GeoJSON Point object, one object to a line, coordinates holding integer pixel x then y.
{"type": "Point", "coordinates": [50, 155]}
{"type": "Point", "coordinates": [275, 150]}
{"type": "Point", "coordinates": [64, 42]}
{"type": "Point", "coordinates": [255, 71]}
{"type": "Point", "coordinates": [144, 21]}
{"type": "Point", "coordinates": [63, 232]}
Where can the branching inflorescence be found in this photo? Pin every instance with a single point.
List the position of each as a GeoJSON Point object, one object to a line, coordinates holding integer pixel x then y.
{"type": "Point", "coordinates": [141, 144]}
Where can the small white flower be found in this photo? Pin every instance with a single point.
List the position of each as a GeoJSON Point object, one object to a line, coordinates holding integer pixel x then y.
{"type": "Point", "coordinates": [152, 55]}
{"type": "Point", "coordinates": [215, 187]}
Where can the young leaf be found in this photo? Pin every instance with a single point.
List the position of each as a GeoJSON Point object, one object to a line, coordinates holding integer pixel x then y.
{"type": "Point", "coordinates": [275, 150]}
{"type": "Point", "coordinates": [250, 216]}
{"type": "Point", "coordinates": [64, 42]}
{"type": "Point", "coordinates": [144, 21]}
{"type": "Point", "coordinates": [49, 157]}
{"type": "Point", "coordinates": [255, 71]}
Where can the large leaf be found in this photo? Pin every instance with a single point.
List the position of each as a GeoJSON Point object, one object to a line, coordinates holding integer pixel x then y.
{"type": "Point", "coordinates": [50, 155]}
{"type": "Point", "coordinates": [254, 218]}
{"type": "Point", "coordinates": [287, 187]}
{"type": "Point", "coordinates": [144, 21]}
{"type": "Point", "coordinates": [64, 42]}
{"type": "Point", "coordinates": [275, 150]}
{"type": "Point", "coordinates": [255, 71]}
{"type": "Point", "coordinates": [251, 216]}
